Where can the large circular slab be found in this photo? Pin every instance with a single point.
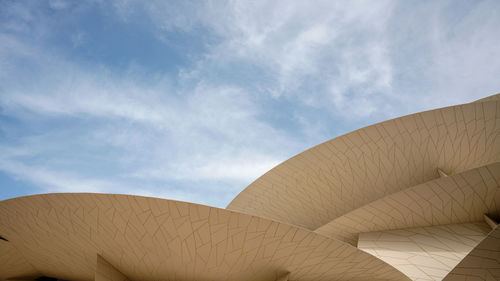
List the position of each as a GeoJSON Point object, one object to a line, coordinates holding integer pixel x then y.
{"type": "Point", "coordinates": [60, 235]}
{"type": "Point", "coordinates": [345, 173]}
{"type": "Point", "coordinates": [482, 263]}
{"type": "Point", "coordinates": [459, 198]}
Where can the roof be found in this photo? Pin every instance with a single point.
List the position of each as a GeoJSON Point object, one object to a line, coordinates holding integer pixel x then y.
{"type": "Point", "coordinates": [412, 193]}
{"type": "Point", "coordinates": [340, 175]}
{"type": "Point", "coordinates": [150, 239]}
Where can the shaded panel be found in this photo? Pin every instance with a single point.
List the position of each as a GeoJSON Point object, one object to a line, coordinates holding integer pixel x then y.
{"type": "Point", "coordinates": [13, 264]}
{"type": "Point", "coordinates": [458, 198]}
{"type": "Point", "coordinates": [490, 221]}
{"type": "Point", "coordinates": [482, 263]}
{"type": "Point", "coordinates": [104, 271]}
{"type": "Point", "coordinates": [424, 253]}
{"type": "Point", "coordinates": [284, 277]}
{"type": "Point", "coordinates": [347, 172]}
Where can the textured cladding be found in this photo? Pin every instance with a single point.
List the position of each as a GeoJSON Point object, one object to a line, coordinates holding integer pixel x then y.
{"type": "Point", "coordinates": [104, 271]}
{"type": "Point", "coordinates": [482, 263]}
{"type": "Point", "coordinates": [12, 263]}
{"type": "Point", "coordinates": [412, 192]}
{"type": "Point", "coordinates": [425, 253]}
{"type": "Point", "coordinates": [153, 239]}
{"type": "Point", "coordinates": [490, 98]}
{"type": "Point", "coordinates": [335, 177]}
{"type": "Point", "coordinates": [459, 198]}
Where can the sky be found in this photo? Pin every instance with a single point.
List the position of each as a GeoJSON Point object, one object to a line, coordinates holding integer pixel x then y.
{"type": "Point", "coordinates": [194, 100]}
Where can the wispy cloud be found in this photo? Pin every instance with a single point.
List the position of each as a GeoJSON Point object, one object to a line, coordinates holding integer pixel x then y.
{"type": "Point", "coordinates": [361, 58]}
{"type": "Point", "coordinates": [251, 84]}
{"type": "Point", "coordinates": [324, 55]}
{"type": "Point", "coordinates": [46, 179]}
{"type": "Point", "coordinates": [49, 180]}
{"type": "Point", "coordinates": [201, 133]}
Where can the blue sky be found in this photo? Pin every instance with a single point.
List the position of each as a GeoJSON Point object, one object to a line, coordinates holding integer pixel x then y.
{"type": "Point", "coordinates": [193, 100]}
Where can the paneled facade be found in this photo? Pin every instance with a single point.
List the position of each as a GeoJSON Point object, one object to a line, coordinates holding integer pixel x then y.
{"type": "Point", "coordinates": [413, 198]}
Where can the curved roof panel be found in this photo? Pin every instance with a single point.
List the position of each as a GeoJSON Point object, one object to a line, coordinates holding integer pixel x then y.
{"type": "Point", "coordinates": [490, 98]}
{"type": "Point", "coordinates": [60, 235]}
{"type": "Point", "coordinates": [12, 263]}
{"type": "Point", "coordinates": [425, 253]}
{"type": "Point", "coordinates": [459, 198]}
{"type": "Point", "coordinates": [482, 263]}
{"type": "Point", "coordinates": [347, 172]}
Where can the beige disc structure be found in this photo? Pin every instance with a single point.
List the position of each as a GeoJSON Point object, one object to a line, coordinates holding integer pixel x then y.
{"type": "Point", "coordinates": [418, 195]}
{"type": "Point", "coordinates": [425, 253]}
{"type": "Point", "coordinates": [425, 230]}
{"type": "Point", "coordinates": [123, 237]}
{"type": "Point", "coordinates": [345, 173]}
{"type": "Point", "coordinates": [459, 198]}
{"type": "Point", "coordinates": [482, 263]}
{"type": "Point", "coordinates": [490, 98]}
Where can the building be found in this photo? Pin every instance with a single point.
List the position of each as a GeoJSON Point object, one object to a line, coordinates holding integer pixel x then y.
{"type": "Point", "coordinates": [413, 198]}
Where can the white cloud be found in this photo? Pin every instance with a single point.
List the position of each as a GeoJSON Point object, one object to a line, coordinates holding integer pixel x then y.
{"type": "Point", "coordinates": [300, 47]}
{"type": "Point", "coordinates": [58, 4]}
{"type": "Point", "coordinates": [203, 133]}
{"type": "Point", "coordinates": [466, 65]}
{"type": "Point", "coordinates": [344, 56]}
{"type": "Point", "coordinates": [231, 168]}
{"type": "Point", "coordinates": [50, 181]}
{"type": "Point", "coordinates": [300, 43]}
{"type": "Point", "coordinates": [213, 125]}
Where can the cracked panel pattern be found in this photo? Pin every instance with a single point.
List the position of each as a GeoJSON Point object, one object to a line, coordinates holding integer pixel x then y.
{"type": "Point", "coordinates": [424, 253]}
{"type": "Point", "coordinates": [459, 198]}
{"type": "Point", "coordinates": [104, 271]}
{"type": "Point", "coordinates": [13, 264]}
{"type": "Point", "coordinates": [482, 263]}
{"type": "Point", "coordinates": [156, 239]}
{"type": "Point", "coordinates": [347, 172]}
